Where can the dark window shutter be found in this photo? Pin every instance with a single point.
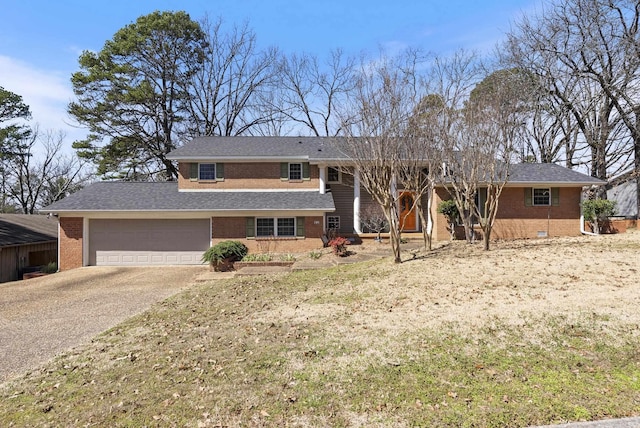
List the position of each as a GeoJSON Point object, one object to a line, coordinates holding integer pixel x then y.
{"type": "Point", "coordinates": [482, 199]}
{"type": "Point", "coordinates": [306, 175]}
{"type": "Point", "coordinates": [250, 227]}
{"type": "Point", "coordinates": [555, 196]}
{"type": "Point", "coordinates": [299, 226]}
{"type": "Point", "coordinates": [193, 172]}
{"type": "Point", "coordinates": [219, 171]}
{"type": "Point", "coordinates": [528, 196]}
{"type": "Point", "coordinates": [284, 171]}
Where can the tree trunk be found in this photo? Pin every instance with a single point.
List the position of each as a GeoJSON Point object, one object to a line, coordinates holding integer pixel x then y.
{"type": "Point", "coordinates": [636, 164]}
{"type": "Point", "coordinates": [424, 222]}
{"type": "Point", "coordinates": [486, 237]}
{"type": "Point", "coordinates": [394, 230]}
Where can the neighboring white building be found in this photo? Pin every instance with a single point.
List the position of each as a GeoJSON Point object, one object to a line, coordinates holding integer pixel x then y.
{"type": "Point", "coordinates": [622, 189]}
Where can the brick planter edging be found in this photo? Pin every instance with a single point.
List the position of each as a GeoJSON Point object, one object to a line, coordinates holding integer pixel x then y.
{"type": "Point", "coordinates": [240, 265]}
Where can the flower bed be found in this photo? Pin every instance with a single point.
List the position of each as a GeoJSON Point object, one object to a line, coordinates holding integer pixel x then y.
{"type": "Point", "coordinates": [240, 265]}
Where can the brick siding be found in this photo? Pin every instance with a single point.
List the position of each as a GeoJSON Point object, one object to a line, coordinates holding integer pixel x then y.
{"type": "Point", "coordinates": [234, 228]}
{"type": "Point", "coordinates": [71, 229]}
{"type": "Point", "coordinates": [248, 176]}
{"type": "Point", "coordinates": [515, 220]}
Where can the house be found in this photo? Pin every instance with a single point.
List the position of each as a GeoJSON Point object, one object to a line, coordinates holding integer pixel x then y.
{"type": "Point", "coordinates": [622, 189]}
{"type": "Point", "coordinates": [26, 241]}
{"type": "Point", "coordinates": [278, 194]}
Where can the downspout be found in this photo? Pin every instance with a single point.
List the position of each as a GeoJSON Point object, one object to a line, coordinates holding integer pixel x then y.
{"type": "Point", "coordinates": [582, 229]}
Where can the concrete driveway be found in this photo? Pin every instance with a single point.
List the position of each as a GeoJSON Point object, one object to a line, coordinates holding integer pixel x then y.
{"type": "Point", "coordinates": [41, 317]}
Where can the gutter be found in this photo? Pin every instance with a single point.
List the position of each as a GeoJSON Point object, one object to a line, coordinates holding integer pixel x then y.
{"type": "Point", "coordinates": [582, 229]}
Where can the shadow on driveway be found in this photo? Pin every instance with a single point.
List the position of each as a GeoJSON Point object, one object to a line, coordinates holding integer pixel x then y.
{"type": "Point", "coordinates": [42, 317]}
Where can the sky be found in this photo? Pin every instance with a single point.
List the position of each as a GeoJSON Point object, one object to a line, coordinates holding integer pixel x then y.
{"type": "Point", "coordinates": [41, 40]}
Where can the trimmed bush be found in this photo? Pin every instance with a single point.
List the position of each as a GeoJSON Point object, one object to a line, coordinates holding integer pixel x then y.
{"type": "Point", "coordinates": [596, 211]}
{"type": "Point", "coordinates": [450, 211]}
{"type": "Point", "coordinates": [225, 251]}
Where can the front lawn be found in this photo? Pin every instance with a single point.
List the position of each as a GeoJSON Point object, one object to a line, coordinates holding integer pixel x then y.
{"type": "Point", "coordinates": [533, 332]}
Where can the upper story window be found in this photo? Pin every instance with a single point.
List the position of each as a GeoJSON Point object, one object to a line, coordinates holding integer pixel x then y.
{"type": "Point", "coordinates": [333, 175]}
{"type": "Point", "coordinates": [295, 171]}
{"type": "Point", "coordinates": [541, 197]}
{"type": "Point", "coordinates": [207, 171]}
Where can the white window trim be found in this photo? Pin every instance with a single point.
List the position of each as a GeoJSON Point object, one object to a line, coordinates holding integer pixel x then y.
{"type": "Point", "coordinates": [533, 196]}
{"type": "Point", "coordinates": [339, 176]}
{"type": "Point", "coordinates": [333, 217]}
{"type": "Point", "coordinates": [215, 171]}
{"type": "Point", "coordinates": [301, 171]}
{"type": "Point", "coordinates": [275, 227]}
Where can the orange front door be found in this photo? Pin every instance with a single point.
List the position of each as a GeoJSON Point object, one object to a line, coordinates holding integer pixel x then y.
{"type": "Point", "coordinates": [408, 218]}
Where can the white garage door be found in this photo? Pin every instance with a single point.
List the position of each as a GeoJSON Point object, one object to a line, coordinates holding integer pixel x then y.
{"type": "Point", "coordinates": [147, 242]}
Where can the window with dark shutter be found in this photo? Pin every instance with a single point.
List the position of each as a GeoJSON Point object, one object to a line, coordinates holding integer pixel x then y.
{"type": "Point", "coordinates": [220, 171]}
{"type": "Point", "coordinates": [250, 227]}
{"type": "Point", "coordinates": [299, 227]}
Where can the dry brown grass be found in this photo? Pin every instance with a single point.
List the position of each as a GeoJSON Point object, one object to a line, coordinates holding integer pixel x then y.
{"type": "Point", "coordinates": [532, 332]}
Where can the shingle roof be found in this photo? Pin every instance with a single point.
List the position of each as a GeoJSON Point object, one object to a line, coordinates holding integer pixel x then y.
{"type": "Point", "coordinates": [19, 229]}
{"type": "Point", "coordinates": [164, 196]}
{"type": "Point", "coordinates": [325, 148]}
{"type": "Point", "coordinates": [280, 148]}
{"type": "Point", "coordinates": [531, 173]}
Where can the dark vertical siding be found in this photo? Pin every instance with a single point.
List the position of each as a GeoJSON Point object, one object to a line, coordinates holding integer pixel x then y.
{"type": "Point", "coordinates": [13, 260]}
{"type": "Point", "coordinates": [343, 200]}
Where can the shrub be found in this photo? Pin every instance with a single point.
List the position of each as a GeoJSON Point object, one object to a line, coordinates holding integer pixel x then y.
{"type": "Point", "coordinates": [52, 267]}
{"type": "Point", "coordinates": [450, 211]}
{"type": "Point", "coordinates": [598, 210]}
{"type": "Point", "coordinates": [339, 245]}
{"type": "Point", "coordinates": [225, 251]}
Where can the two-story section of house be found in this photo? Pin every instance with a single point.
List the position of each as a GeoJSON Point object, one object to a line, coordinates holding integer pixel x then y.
{"type": "Point", "coordinates": [275, 194]}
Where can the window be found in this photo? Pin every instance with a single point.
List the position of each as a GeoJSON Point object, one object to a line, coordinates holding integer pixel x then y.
{"type": "Point", "coordinates": [333, 223]}
{"type": "Point", "coordinates": [275, 227]}
{"type": "Point", "coordinates": [541, 197]}
{"type": "Point", "coordinates": [207, 171]}
{"type": "Point", "coordinates": [295, 171]}
{"type": "Point", "coordinates": [333, 175]}
{"type": "Point", "coordinates": [286, 226]}
{"type": "Point", "coordinates": [264, 227]}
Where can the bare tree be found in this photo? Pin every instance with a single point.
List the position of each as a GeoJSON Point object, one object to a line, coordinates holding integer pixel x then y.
{"type": "Point", "coordinates": [450, 83]}
{"type": "Point", "coordinates": [373, 219]}
{"type": "Point", "coordinates": [311, 93]}
{"type": "Point", "coordinates": [375, 124]}
{"type": "Point", "coordinates": [583, 54]}
{"type": "Point", "coordinates": [228, 93]}
{"type": "Point", "coordinates": [41, 174]}
{"type": "Point", "coordinates": [495, 128]}
{"type": "Point", "coordinates": [421, 161]}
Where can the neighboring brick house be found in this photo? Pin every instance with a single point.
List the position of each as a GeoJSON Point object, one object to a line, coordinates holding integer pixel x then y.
{"type": "Point", "coordinates": [278, 194]}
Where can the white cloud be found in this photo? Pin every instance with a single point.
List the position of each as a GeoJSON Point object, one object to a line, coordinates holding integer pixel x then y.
{"type": "Point", "coordinates": [47, 93]}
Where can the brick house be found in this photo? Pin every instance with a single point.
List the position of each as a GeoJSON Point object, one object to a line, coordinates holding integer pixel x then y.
{"type": "Point", "coordinates": [278, 194]}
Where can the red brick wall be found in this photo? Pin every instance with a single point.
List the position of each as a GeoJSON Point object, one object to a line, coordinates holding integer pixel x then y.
{"type": "Point", "coordinates": [225, 228]}
{"type": "Point", "coordinates": [249, 176]}
{"type": "Point", "coordinates": [70, 243]}
{"type": "Point", "coordinates": [515, 220]}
